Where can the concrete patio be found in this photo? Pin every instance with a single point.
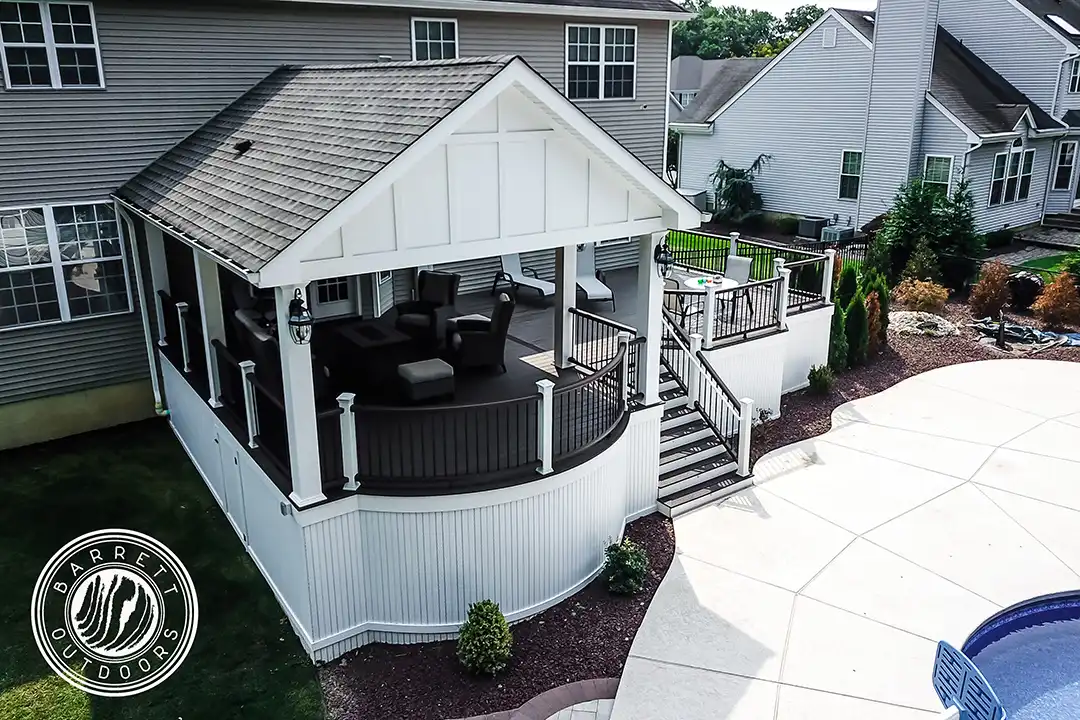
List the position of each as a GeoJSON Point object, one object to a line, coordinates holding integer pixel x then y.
{"type": "Point", "coordinates": [821, 592]}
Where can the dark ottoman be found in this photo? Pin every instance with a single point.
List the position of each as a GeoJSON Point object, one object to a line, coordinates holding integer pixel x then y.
{"type": "Point", "coordinates": [426, 379]}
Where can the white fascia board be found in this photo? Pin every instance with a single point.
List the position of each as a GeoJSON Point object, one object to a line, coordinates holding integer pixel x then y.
{"type": "Point", "coordinates": [1070, 46]}
{"type": "Point", "coordinates": [692, 128]}
{"type": "Point", "coordinates": [511, 7]}
{"type": "Point", "coordinates": [971, 135]}
{"type": "Point", "coordinates": [780, 58]}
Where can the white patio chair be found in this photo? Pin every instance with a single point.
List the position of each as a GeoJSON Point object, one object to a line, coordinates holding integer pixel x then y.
{"type": "Point", "coordinates": [588, 279]}
{"type": "Point", "coordinates": [738, 269]}
{"type": "Point", "coordinates": [517, 276]}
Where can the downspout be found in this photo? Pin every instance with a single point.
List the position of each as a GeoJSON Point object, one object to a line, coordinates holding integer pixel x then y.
{"type": "Point", "coordinates": [144, 312]}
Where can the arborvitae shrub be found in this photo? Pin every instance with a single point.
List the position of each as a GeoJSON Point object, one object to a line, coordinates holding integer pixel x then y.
{"type": "Point", "coordinates": [849, 285]}
{"type": "Point", "coordinates": [838, 349]}
{"type": "Point", "coordinates": [873, 324]}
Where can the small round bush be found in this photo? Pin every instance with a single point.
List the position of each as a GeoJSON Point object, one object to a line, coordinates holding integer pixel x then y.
{"type": "Point", "coordinates": [921, 296]}
{"type": "Point", "coordinates": [484, 640]}
{"type": "Point", "coordinates": [625, 567]}
{"type": "Point", "coordinates": [999, 238]}
{"type": "Point", "coordinates": [821, 379]}
{"type": "Point", "coordinates": [856, 327]}
{"type": "Point", "coordinates": [991, 294]}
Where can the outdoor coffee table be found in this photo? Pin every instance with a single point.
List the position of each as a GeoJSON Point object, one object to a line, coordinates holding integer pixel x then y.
{"type": "Point", "coordinates": [704, 282]}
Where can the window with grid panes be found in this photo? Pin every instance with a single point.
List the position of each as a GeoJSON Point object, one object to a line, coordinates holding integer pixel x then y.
{"type": "Point", "coordinates": [1011, 178]}
{"type": "Point", "coordinates": [332, 290]}
{"type": "Point", "coordinates": [601, 62]}
{"type": "Point", "coordinates": [434, 39]}
{"type": "Point", "coordinates": [850, 174]}
{"type": "Point", "coordinates": [937, 173]}
{"type": "Point", "coordinates": [49, 45]}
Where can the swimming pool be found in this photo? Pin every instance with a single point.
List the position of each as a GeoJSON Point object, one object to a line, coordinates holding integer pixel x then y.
{"type": "Point", "coordinates": [1030, 656]}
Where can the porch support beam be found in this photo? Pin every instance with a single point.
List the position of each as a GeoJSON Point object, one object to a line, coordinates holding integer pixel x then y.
{"type": "Point", "coordinates": [299, 389]}
{"type": "Point", "coordinates": [650, 300]}
{"type": "Point", "coordinates": [212, 317]}
{"type": "Point", "coordinates": [565, 298]}
{"type": "Point", "coordinates": [159, 273]}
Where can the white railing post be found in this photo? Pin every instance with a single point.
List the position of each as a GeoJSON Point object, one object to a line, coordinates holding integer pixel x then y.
{"type": "Point", "coordinates": [782, 303]}
{"type": "Point", "coordinates": [546, 425]}
{"type": "Point", "coordinates": [247, 367]}
{"type": "Point", "coordinates": [348, 441]}
{"type": "Point", "coordinates": [746, 426]}
{"type": "Point", "coordinates": [733, 248]}
{"type": "Point", "coordinates": [693, 383]}
{"type": "Point", "coordinates": [708, 317]}
{"type": "Point", "coordinates": [160, 310]}
{"type": "Point", "coordinates": [830, 268]}
{"type": "Point", "coordinates": [778, 266]}
{"type": "Point", "coordinates": [181, 311]}
{"type": "Point", "coordinates": [624, 347]}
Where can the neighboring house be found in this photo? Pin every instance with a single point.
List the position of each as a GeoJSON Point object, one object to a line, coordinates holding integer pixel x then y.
{"type": "Point", "coordinates": [863, 101]}
{"type": "Point", "coordinates": [689, 74]}
{"type": "Point", "coordinates": [94, 91]}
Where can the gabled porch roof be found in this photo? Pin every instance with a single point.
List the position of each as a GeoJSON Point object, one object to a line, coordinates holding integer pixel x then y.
{"type": "Point", "coordinates": [266, 183]}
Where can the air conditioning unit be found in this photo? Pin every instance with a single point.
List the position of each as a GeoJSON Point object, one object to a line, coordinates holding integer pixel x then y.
{"type": "Point", "coordinates": [811, 227]}
{"type": "Point", "coordinates": [836, 234]}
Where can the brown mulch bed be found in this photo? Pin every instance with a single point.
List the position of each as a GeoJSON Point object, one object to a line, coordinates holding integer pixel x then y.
{"type": "Point", "coordinates": [803, 415]}
{"type": "Point", "coordinates": [584, 637]}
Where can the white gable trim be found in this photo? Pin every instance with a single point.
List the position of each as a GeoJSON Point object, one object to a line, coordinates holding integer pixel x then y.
{"type": "Point", "coordinates": [972, 136]}
{"type": "Point", "coordinates": [1069, 46]}
{"type": "Point", "coordinates": [779, 58]}
{"type": "Point", "coordinates": [523, 8]}
{"type": "Point", "coordinates": [570, 121]}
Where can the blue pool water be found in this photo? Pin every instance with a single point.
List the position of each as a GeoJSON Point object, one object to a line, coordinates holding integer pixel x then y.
{"type": "Point", "coordinates": [1030, 656]}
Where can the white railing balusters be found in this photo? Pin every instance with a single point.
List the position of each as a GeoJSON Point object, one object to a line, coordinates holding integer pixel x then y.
{"type": "Point", "coordinates": [251, 414]}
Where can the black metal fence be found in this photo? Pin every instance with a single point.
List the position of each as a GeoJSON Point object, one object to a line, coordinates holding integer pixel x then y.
{"type": "Point", "coordinates": [273, 430]}
{"type": "Point", "coordinates": [847, 251]}
{"type": "Point", "coordinates": [806, 288]}
{"type": "Point", "coordinates": [718, 405]}
{"type": "Point", "coordinates": [596, 339]}
{"type": "Point", "coordinates": [746, 309]}
{"type": "Point", "coordinates": [231, 381]}
{"type": "Point", "coordinates": [587, 411]}
{"type": "Point", "coordinates": [328, 426]}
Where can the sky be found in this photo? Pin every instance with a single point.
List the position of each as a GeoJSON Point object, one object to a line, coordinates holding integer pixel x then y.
{"type": "Point", "coordinates": [779, 7]}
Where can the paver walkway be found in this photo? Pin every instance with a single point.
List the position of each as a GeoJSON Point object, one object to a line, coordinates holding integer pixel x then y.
{"type": "Point", "coordinates": [821, 592]}
{"type": "Point", "coordinates": [592, 710]}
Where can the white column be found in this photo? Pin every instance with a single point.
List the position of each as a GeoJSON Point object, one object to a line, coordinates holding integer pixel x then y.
{"type": "Point", "coordinates": [830, 268]}
{"type": "Point", "coordinates": [545, 424]}
{"type": "Point", "coordinates": [349, 460]}
{"type": "Point", "coordinates": [781, 303]}
{"type": "Point", "coordinates": [159, 273]}
{"type": "Point", "coordinates": [213, 320]}
{"type": "Point", "coordinates": [733, 247]}
{"type": "Point", "coordinates": [247, 367]}
{"type": "Point", "coordinates": [650, 303]}
{"type": "Point", "coordinates": [746, 427]}
{"type": "Point", "coordinates": [708, 316]}
{"type": "Point", "coordinates": [565, 298]}
{"type": "Point", "coordinates": [299, 385]}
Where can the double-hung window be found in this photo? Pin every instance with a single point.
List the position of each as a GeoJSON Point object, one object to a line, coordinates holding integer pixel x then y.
{"type": "Point", "coordinates": [1074, 76]}
{"type": "Point", "coordinates": [850, 174]}
{"type": "Point", "coordinates": [937, 173]}
{"type": "Point", "coordinates": [1011, 181]}
{"type": "Point", "coordinates": [601, 62]}
{"type": "Point", "coordinates": [61, 263]}
{"type": "Point", "coordinates": [49, 45]}
{"type": "Point", "coordinates": [434, 39]}
{"type": "Point", "coordinates": [1066, 161]}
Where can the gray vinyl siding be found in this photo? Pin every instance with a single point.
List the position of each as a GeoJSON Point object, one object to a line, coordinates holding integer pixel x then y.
{"type": "Point", "coordinates": [1060, 201]}
{"type": "Point", "coordinates": [1006, 39]}
{"type": "Point", "coordinates": [1066, 100]}
{"type": "Point", "coordinates": [941, 137]}
{"type": "Point", "coordinates": [169, 66]}
{"type": "Point", "coordinates": [980, 170]}
{"type": "Point", "coordinates": [904, 39]}
{"type": "Point", "coordinates": [804, 112]}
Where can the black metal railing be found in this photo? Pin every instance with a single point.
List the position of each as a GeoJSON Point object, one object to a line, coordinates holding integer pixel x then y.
{"type": "Point", "coordinates": [231, 381]}
{"type": "Point", "coordinates": [587, 411]}
{"type": "Point", "coordinates": [637, 348]}
{"type": "Point", "coordinates": [708, 253]}
{"type": "Point", "coordinates": [596, 339]}
{"type": "Point", "coordinates": [328, 425]}
{"type": "Point", "coordinates": [852, 251]}
{"type": "Point", "coordinates": [455, 447]}
{"type": "Point", "coordinates": [806, 286]}
{"type": "Point", "coordinates": [272, 430]}
{"type": "Point", "coordinates": [763, 256]}
{"type": "Point", "coordinates": [718, 405]}
{"type": "Point", "coordinates": [674, 352]}
{"type": "Point", "coordinates": [746, 309]}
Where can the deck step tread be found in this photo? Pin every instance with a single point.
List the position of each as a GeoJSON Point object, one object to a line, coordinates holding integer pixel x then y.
{"type": "Point", "coordinates": [673, 477]}
{"type": "Point", "coordinates": [683, 430]}
{"type": "Point", "coordinates": [679, 453]}
{"type": "Point", "coordinates": [675, 412]}
{"type": "Point", "coordinates": [672, 394]}
{"type": "Point", "coordinates": [693, 495]}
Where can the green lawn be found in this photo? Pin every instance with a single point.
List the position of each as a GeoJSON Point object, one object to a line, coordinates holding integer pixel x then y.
{"type": "Point", "coordinates": [246, 662]}
{"type": "Point", "coordinates": [1051, 262]}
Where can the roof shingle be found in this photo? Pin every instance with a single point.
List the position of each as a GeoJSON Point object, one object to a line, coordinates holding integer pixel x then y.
{"type": "Point", "coordinates": [316, 133]}
{"type": "Point", "coordinates": [729, 77]}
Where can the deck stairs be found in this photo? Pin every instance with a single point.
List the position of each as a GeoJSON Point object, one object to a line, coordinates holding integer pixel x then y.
{"type": "Point", "coordinates": [695, 466]}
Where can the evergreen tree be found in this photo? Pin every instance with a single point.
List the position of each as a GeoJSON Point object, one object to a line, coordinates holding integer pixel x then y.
{"type": "Point", "coordinates": [959, 245]}
{"type": "Point", "coordinates": [838, 349]}
{"type": "Point", "coordinates": [915, 214]}
{"type": "Point", "coordinates": [922, 264]}
{"type": "Point", "coordinates": [874, 281]}
{"type": "Point", "coordinates": [857, 330]}
{"type": "Point", "coordinates": [849, 285]}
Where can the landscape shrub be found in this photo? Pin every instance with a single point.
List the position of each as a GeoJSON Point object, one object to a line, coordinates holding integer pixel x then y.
{"type": "Point", "coordinates": [787, 225]}
{"type": "Point", "coordinates": [838, 350]}
{"type": "Point", "coordinates": [857, 330]}
{"type": "Point", "coordinates": [991, 294]}
{"type": "Point", "coordinates": [1071, 265]}
{"type": "Point", "coordinates": [922, 264]}
{"type": "Point", "coordinates": [808, 278]}
{"type": "Point", "coordinates": [874, 281]}
{"type": "Point", "coordinates": [736, 200]}
{"type": "Point", "coordinates": [485, 640]}
{"type": "Point", "coordinates": [873, 324]}
{"type": "Point", "coordinates": [921, 296]}
{"type": "Point", "coordinates": [1059, 304]}
{"type": "Point", "coordinates": [837, 271]}
{"type": "Point", "coordinates": [999, 238]}
{"type": "Point", "coordinates": [625, 566]}
{"type": "Point", "coordinates": [1024, 288]}
{"type": "Point", "coordinates": [821, 379]}
{"type": "Point", "coordinates": [849, 285]}
{"type": "Point", "coordinates": [959, 244]}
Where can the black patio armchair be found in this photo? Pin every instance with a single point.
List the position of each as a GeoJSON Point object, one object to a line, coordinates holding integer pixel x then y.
{"type": "Point", "coordinates": [425, 317]}
{"type": "Point", "coordinates": [480, 342]}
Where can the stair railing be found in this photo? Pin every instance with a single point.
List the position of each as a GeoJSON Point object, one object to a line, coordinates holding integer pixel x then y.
{"type": "Point", "coordinates": [729, 417]}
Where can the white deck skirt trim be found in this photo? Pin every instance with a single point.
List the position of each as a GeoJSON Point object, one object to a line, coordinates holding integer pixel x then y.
{"type": "Point", "coordinates": [512, 7]}
{"type": "Point", "coordinates": [570, 121]}
{"type": "Point", "coordinates": [972, 136]}
{"type": "Point", "coordinates": [779, 58]}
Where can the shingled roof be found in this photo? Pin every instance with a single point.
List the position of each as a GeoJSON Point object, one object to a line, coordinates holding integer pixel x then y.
{"type": "Point", "coordinates": [729, 76]}
{"type": "Point", "coordinates": [268, 167]}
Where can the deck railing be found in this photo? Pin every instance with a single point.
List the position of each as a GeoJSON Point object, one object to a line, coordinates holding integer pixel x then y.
{"type": "Point", "coordinates": [808, 287]}
{"type": "Point", "coordinates": [744, 310]}
{"type": "Point", "coordinates": [596, 339]}
{"type": "Point", "coordinates": [708, 252]}
{"type": "Point", "coordinates": [588, 410]}
{"type": "Point", "coordinates": [848, 252]}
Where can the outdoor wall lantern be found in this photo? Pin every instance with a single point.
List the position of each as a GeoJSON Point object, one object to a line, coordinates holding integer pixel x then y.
{"type": "Point", "coordinates": [665, 261]}
{"type": "Point", "coordinates": [300, 320]}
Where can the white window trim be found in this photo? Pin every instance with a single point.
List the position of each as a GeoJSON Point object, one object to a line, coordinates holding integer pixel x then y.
{"type": "Point", "coordinates": [58, 265]}
{"type": "Point", "coordinates": [1057, 166]}
{"type": "Point", "coordinates": [412, 33]}
{"type": "Point", "coordinates": [602, 62]}
{"type": "Point", "coordinates": [1022, 152]}
{"type": "Point", "coordinates": [615, 241]}
{"type": "Point", "coordinates": [952, 164]}
{"type": "Point", "coordinates": [50, 51]}
{"type": "Point", "coordinates": [1074, 76]}
{"type": "Point", "coordinates": [841, 175]}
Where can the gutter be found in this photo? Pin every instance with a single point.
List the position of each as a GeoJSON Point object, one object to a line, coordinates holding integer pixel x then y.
{"type": "Point", "coordinates": [692, 128]}
{"type": "Point", "coordinates": [525, 8]}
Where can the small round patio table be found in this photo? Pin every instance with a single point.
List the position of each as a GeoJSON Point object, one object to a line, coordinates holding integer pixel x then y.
{"type": "Point", "coordinates": [704, 282]}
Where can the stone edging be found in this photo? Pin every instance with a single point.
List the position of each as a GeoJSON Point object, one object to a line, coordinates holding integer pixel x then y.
{"type": "Point", "coordinates": [548, 703]}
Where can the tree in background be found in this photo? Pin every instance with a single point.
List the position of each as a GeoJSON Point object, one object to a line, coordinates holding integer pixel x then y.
{"type": "Point", "coordinates": [732, 31]}
{"type": "Point", "coordinates": [671, 172]}
{"type": "Point", "coordinates": [736, 199]}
